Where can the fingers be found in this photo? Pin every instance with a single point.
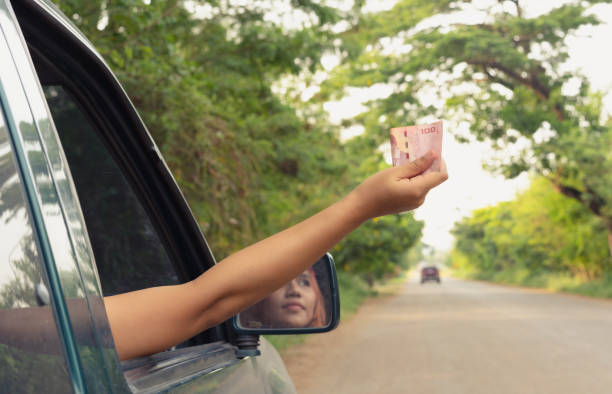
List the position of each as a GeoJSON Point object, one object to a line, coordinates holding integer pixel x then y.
{"type": "Point", "coordinates": [416, 167]}
{"type": "Point", "coordinates": [434, 178]}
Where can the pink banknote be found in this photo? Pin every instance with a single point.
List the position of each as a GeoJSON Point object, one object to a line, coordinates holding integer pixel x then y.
{"type": "Point", "coordinates": [411, 142]}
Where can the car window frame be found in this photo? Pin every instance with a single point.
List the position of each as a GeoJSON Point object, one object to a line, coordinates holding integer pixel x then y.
{"type": "Point", "coordinates": [148, 171]}
{"type": "Point", "coordinates": [149, 174]}
{"type": "Point", "coordinates": [46, 305]}
{"type": "Point", "coordinates": [32, 139]}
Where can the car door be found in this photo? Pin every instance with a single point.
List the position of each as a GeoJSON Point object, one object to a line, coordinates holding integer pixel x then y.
{"type": "Point", "coordinates": [57, 233]}
{"type": "Point", "coordinates": [120, 222]}
{"type": "Point", "coordinates": [32, 349]}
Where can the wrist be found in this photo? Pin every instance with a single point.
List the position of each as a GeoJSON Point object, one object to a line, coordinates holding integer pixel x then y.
{"type": "Point", "coordinates": [354, 209]}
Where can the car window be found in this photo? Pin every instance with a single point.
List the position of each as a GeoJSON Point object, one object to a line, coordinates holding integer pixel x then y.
{"type": "Point", "coordinates": [128, 250]}
{"type": "Point", "coordinates": [141, 231]}
{"type": "Point", "coordinates": [31, 356]}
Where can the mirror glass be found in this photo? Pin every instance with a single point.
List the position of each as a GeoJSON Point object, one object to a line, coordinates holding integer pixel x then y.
{"type": "Point", "coordinates": [306, 302]}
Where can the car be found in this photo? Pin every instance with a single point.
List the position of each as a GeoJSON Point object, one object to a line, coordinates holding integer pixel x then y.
{"type": "Point", "coordinates": [430, 273]}
{"type": "Point", "coordinates": [88, 208]}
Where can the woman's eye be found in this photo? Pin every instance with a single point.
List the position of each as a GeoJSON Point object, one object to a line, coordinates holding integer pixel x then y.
{"type": "Point", "coordinates": [304, 282]}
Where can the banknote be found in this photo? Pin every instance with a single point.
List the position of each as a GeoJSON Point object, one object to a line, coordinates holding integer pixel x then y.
{"type": "Point", "coordinates": [408, 143]}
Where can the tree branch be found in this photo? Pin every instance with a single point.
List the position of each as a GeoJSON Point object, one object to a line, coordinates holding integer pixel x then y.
{"type": "Point", "coordinates": [531, 82]}
{"type": "Point", "coordinates": [589, 198]}
{"type": "Point", "coordinates": [497, 79]}
{"type": "Point", "coordinates": [519, 11]}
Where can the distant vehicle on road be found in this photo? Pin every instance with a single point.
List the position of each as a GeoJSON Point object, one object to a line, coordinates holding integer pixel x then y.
{"type": "Point", "coordinates": [430, 273]}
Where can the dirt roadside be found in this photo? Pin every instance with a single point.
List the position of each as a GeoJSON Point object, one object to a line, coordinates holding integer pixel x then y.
{"type": "Point", "coordinates": [304, 361]}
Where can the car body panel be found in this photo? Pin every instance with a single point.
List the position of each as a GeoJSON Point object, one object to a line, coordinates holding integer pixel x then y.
{"type": "Point", "coordinates": [22, 280]}
{"type": "Point", "coordinates": [26, 119]}
{"type": "Point", "coordinates": [210, 368]}
{"type": "Point", "coordinates": [243, 376]}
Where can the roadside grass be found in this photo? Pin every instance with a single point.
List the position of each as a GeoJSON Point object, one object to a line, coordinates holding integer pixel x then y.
{"type": "Point", "coordinates": [594, 288]}
{"type": "Point", "coordinates": [557, 282]}
{"type": "Point", "coordinates": [353, 292]}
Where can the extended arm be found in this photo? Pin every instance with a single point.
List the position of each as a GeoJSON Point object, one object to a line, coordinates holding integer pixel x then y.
{"type": "Point", "coordinates": [151, 320]}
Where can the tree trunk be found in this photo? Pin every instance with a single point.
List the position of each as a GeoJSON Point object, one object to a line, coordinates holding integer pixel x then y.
{"type": "Point", "coordinates": [610, 238]}
{"type": "Point", "coordinates": [370, 279]}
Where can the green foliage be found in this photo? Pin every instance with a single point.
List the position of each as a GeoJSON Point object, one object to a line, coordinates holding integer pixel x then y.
{"type": "Point", "coordinates": [249, 161]}
{"type": "Point", "coordinates": [511, 67]}
{"type": "Point", "coordinates": [377, 248]}
{"type": "Point", "coordinates": [554, 281]}
{"type": "Point", "coordinates": [203, 87]}
{"type": "Point", "coordinates": [21, 370]}
{"type": "Point", "coordinates": [541, 232]}
{"type": "Point", "coordinates": [413, 256]}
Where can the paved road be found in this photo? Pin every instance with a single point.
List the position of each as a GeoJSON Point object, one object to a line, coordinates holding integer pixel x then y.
{"type": "Point", "coordinates": [462, 337]}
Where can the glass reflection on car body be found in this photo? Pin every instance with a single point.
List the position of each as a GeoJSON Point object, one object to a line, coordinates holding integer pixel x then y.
{"type": "Point", "coordinates": [28, 338]}
{"type": "Point", "coordinates": [57, 229]}
{"type": "Point", "coordinates": [128, 250]}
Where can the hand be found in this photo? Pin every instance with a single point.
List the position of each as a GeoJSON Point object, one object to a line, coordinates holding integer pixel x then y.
{"type": "Point", "coordinates": [398, 189]}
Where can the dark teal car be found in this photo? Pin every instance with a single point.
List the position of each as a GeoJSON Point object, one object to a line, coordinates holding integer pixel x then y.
{"type": "Point", "coordinates": [88, 208]}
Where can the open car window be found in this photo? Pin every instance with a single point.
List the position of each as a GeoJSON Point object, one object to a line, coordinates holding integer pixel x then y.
{"type": "Point", "coordinates": [141, 231]}
{"type": "Point", "coordinates": [128, 250]}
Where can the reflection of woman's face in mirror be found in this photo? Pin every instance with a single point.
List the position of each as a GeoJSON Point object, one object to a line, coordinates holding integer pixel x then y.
{"type": "Point", "coordinates": [298, 304]}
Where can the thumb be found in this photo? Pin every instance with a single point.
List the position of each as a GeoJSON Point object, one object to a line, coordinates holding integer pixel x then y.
{"type": "Point", "coordinates": [414, 168]}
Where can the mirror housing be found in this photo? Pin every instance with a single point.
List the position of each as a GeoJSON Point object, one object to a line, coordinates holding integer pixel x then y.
{"type": "Point", "coordinates": [308, 304]}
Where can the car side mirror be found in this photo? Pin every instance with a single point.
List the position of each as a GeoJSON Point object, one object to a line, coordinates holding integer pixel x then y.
{"type": "Point", "coordinates": [309, 303]}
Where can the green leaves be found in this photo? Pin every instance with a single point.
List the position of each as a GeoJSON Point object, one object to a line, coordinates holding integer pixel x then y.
{"type": "Point", "coordinates": [377, 248]}
{"type": "Point", "coordinates": [541, 231]}
{"type": "Point", "coordinates": [512, 67]}
{"type": "Point", "coordinates": [249, 162]}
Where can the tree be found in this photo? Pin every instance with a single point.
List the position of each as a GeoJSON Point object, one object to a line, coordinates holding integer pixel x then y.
{"type": "Point", "coordinates": [515, 90]}
{"type": "Point", "coordinates": [250, 161]}
{"type": "Point", "coordinates": [203, 87]}
{"type": "Point", "coordinates": [377, 248]}
{"type": "Point", "coordinates": [540, 231]}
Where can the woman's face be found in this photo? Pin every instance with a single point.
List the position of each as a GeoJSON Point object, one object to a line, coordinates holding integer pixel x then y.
{"type": "Point", "coordinates": [293, 304]}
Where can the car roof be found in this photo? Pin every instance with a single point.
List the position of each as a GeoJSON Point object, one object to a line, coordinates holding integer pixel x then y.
{"type": "Point", "coordinates": [53, 11]}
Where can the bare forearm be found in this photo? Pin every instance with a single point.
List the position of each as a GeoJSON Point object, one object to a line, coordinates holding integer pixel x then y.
{"type": "Point", "coordinates": [151, 320]}
{"type": "Point", "coordinates": [249, 275]}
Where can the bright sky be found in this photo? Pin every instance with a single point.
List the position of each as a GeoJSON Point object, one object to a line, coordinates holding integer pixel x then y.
{"type": "Point", "coordinates": [469, 187]}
